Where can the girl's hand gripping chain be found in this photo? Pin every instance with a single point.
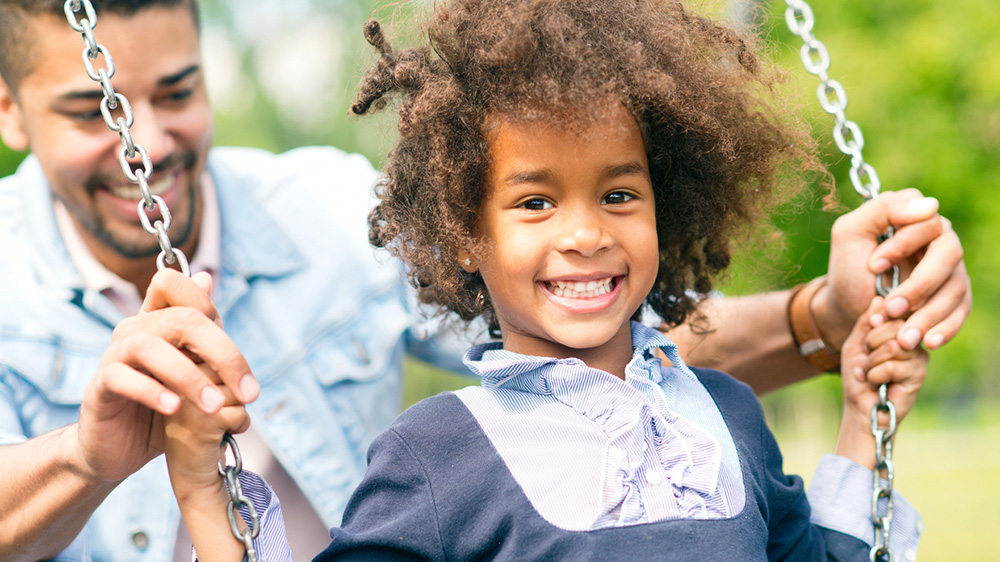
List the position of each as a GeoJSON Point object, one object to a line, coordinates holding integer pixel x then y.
{"type": "Point", "coordinates": [871, 357]}
{"type": "Point", "coordinates": [191, 444]}
{"type": "Point", "coordinates": [191, 440]}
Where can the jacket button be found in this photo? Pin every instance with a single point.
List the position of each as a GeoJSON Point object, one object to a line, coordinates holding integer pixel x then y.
{"type": "Point", "coordinates": [140, 540]}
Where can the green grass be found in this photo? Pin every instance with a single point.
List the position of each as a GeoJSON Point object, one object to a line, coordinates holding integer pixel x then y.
{"type": "Point", "coordinates": [947, 464]}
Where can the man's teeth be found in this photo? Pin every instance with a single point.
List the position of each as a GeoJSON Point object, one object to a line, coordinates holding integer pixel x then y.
{"type": "Point", "coordinates": [129, 191]}
{"type": "Point", "coordinates": [580, 289]}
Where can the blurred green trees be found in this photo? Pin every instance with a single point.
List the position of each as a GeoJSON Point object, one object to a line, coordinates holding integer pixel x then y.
{"type": "Point", "coordinates": [923, 80]}
{"type": "Point", "coordinates": [922, 77]}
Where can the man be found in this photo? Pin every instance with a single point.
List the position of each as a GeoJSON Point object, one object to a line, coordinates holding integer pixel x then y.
{"type": "Point", "coordinates": [322, 324]}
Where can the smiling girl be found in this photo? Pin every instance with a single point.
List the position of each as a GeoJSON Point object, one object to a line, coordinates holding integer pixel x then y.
{"type": "Point", "coordinates": [562, 167]}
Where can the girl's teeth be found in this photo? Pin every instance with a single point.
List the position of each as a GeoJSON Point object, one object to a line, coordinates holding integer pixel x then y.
{"type": "Point", "coordinates": [580, 289]}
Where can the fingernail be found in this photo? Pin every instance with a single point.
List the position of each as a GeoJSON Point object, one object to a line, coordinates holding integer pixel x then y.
{"type": "Point", "coordinates": [211, 398]}
{"type": "Point", "coordinates": [876, 320]}
{"type": "Point", "coordinates": [923, 205]}
{"type": "Point", "coordinates": [880, 265]}
{"type": "Point", "coordinates": [249, 387]}
{"type": "Point", "coordinates": [859, 373]}
{"type": "Point", "coordinates": [911, 338]}
{"type": "Point", "coordinates": [169, 401]}
{"type": "Point", "coordinates": [935, 341]}
{"type": "Point", "coordinates": [897, 307]}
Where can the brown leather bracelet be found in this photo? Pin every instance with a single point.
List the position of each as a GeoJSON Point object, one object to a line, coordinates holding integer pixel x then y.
{"type": "Point", "coordinates": [807, 337]}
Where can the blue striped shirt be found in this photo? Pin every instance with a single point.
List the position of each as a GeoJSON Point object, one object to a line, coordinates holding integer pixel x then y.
{"type": "Point", "coordinates": [592, 450]}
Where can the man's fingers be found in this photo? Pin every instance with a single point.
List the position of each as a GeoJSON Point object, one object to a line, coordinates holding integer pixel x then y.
{"type": "Point", "coordinates": [162, 361]}
{"type": "Point", "coordinates": [941, 317]}
{"type": "Point", "coordinates": [896, 208]}
{"type": "Point", "coordinates": [172, 288]}
{"type": "Point", "coordinates": [908, 242]}
{"type": "Point", "coordinates": [908, 206]}
{"type": "Point", "coordinates": [188, 332]}
{"type": "Point", "coordinates": [204, 282]}
{"type": "Point", "coordinates": [126, 382]}
{"type": "Point", "coordinates": [942, 260]}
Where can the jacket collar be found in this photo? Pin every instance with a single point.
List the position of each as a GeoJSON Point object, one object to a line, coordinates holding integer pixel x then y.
{"type": "Point", "coordinates": [252, 243]}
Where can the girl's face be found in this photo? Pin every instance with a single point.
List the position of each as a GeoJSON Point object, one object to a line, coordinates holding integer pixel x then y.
{"type": "Point", "coordinates": [571, 223]}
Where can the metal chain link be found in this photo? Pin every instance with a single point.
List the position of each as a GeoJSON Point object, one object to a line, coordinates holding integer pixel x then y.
{"type": "Point", "coordinates": [159, 227]}
{"type": "Point", "coordinates": [850, 141]}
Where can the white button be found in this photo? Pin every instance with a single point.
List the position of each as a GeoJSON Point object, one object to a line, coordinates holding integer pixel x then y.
{"type": "Point", "coordinates": [654, 477]}
{"type": "Point", "coordinates": [140, 540]}
{"type": "Point", "coordinates": [911, 555]}
{"type": "Point", "coordinates": [920, 526]}
{"type": "Point", "coordinates": [644, 446]}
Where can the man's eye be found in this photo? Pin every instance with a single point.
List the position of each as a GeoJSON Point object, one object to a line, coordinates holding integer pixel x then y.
{"type": "Point", "coordinates": [86, 115]}
{"type": "Point", "coordinates": [617, 198]}
{"type": "Point", "coordinates": [180, 95]}
{"type": "Point", "coordinates": [536, 204]}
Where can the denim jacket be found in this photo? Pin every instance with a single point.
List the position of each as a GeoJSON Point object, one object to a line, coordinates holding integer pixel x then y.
{"type": "Point", "coordinates": [320, 316]}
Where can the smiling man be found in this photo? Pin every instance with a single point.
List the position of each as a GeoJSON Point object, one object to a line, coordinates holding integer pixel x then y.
{"type": "Point", "coordinates": [308, 309]}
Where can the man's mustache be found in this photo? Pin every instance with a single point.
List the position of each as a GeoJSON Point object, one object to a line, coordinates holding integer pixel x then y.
{"type": "Point", "coordinates": [186, 160]}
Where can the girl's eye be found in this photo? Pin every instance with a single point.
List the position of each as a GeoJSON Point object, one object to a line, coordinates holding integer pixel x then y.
{"type": "Point", "coordinates": [536, 204]}
{"type": "Point", "coordinates": [617, 198]}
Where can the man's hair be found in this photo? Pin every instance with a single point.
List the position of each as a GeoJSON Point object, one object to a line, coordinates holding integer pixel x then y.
{"type": "Point", "coordinates": [16, 58]}
{"type": "Point", "coordinates": [719, 141]}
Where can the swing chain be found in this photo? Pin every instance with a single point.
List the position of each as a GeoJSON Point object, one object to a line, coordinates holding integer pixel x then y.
{"type": "Point", "coordinates": [847, 135]}
{"type": "Point", "coordinates": [159, 227]}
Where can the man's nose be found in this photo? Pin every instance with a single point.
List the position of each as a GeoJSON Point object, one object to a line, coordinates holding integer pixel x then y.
{"type": "Point", "coordinates": [150, 131]}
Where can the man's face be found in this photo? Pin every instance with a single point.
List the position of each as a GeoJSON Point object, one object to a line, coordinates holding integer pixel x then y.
{"type": "Point", "coordinates": [56, 113]}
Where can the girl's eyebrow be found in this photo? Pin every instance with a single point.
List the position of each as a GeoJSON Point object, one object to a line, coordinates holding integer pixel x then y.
{"type": "Point", "coordinates": [628, 168]}
{"type": "Point", "coordinates": [532, 176]}
{"type": "Point", "coordinates": [609, 172]}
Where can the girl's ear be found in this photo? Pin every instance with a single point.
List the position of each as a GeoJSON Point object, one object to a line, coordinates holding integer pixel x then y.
{"type": "Point", "coordinates": [467, 263]}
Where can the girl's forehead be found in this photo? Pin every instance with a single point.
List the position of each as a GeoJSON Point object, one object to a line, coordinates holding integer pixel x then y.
{"type": "Point", "coordinates": [601, 120]}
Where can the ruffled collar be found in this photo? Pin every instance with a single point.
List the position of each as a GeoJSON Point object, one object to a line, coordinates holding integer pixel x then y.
{"type": "Point", "coordinates": [633, 413]}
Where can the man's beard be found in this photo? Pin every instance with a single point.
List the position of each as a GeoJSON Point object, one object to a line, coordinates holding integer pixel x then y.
{"type": "Point", "coordinates": [135, 249]}
{"type": "Point", "coordinates": [131, 249]}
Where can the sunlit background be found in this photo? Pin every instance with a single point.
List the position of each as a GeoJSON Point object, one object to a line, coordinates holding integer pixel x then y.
{"type": "Point", "coordinates": [923, 80]}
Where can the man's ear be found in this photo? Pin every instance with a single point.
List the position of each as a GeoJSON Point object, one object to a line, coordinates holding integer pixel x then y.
{"type": "Point", "coordinates": [11, 120]}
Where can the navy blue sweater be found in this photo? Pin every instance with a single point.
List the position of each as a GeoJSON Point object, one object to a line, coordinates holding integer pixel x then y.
{"type": "Point", "coordinates": [436, 489]}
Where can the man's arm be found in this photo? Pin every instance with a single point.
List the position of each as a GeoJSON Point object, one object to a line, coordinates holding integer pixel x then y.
{"type": "Point", "coordinates": [52, 484]}
{"type": "Point", "coordinates": [747, 337]}
{"type": "Point", "coordinates": [750, 338]}
{"type": "Point", "coordinates": [48, 496]}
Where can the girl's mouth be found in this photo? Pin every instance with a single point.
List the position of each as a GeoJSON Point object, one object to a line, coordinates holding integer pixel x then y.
{"type": "Point", "coordinates": [582, 289]}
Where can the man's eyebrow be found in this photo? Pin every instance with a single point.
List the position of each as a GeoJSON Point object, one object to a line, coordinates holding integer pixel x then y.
{"type": "Point", "coordinates": [177, 76]}
{"type": "Point", "coordinates": [164, 82]}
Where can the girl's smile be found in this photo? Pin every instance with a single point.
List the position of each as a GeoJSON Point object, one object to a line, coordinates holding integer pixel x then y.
{"type": "Point", "coordinates": [581, 295]}
{"type": "Point", "coordinates": [570, 222]}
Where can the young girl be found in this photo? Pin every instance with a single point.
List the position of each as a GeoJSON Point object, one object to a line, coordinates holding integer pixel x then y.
{"type": "Point", "coordinates": [563, 167]}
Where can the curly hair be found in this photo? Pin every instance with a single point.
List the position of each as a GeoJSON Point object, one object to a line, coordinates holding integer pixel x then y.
{"type": "Point", "coordinates": [718, 142]}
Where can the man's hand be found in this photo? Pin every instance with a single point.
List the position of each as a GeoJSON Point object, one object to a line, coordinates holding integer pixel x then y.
{"type": "Point", "coordinates": [155, 360]}
{"type": "Point", "coordinates": [934, 295]}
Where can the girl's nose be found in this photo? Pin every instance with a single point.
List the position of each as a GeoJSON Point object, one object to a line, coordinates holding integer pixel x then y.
{"type": "Point", "coordinates": [584, 235]}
